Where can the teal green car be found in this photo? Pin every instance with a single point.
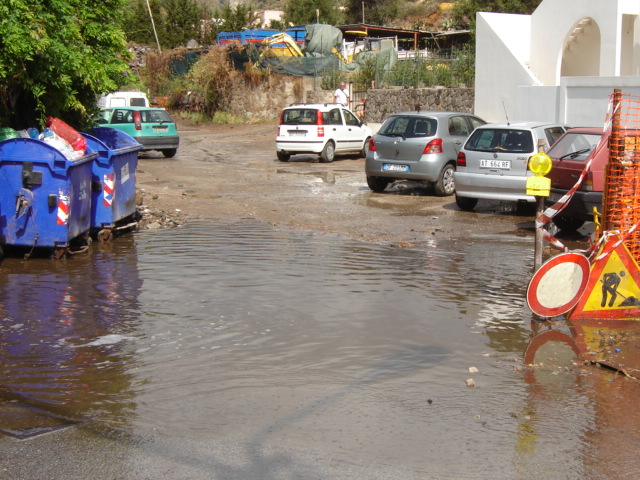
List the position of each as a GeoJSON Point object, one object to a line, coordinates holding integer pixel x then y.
{"type": "Point", "coordinates": [152, 127]}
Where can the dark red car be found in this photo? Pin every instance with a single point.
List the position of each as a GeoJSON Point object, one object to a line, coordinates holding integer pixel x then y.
{"type": "Point", "coordinates": [569, 155]}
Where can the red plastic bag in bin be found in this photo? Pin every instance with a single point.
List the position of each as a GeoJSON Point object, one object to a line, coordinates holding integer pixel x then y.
{"type": "Point", "coordinates": [71, 135]}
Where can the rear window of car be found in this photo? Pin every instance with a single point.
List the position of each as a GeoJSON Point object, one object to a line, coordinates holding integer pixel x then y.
{"type": "Point", "coordinates": [500, 140]}
{"type": "Point", "coordinates": [155, 116]}
{"type": "Point", "coordinates": [574, 146]}
{"type": "Point", "coordinates": [409, 126]}
{"type": "Point", "coordinates": [295, 116]}
{"type": "Point", "coordinates": [146, 116]}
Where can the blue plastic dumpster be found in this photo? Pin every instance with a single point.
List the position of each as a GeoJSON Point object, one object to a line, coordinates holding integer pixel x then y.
{"type": "Point", "coordinates": [114, 178]}
{"type": "Point", "coordinates": [45, 197]}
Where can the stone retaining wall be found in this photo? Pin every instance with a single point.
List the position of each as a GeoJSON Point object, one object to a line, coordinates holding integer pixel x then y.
{"type": "Point", "coordinates": [267, 99]}
{"type": "Point", "coordinates": [382, 102]}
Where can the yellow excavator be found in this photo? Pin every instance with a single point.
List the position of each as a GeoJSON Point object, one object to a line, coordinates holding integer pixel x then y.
{"type": "Point", "coordinates": [291, 48]}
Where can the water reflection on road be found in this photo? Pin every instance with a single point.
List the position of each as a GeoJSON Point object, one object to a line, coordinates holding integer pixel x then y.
{"type": "Point", "coordinates": [299, 344]}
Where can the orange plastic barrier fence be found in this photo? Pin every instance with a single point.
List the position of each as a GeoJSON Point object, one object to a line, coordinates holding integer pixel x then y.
{"type": "Point", "coordinates": [621, 199]}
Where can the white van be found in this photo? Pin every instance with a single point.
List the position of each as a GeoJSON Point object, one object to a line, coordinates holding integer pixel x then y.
{"type": "Point", "coordinates": [123, 99]}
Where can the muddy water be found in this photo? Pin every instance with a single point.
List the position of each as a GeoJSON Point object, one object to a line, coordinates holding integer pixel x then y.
{"type": "Point", "coordinates": [294, 349]}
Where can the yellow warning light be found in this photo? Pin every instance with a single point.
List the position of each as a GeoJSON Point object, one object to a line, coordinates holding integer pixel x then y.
{"type": "Point", "coordinates": [540, 164]}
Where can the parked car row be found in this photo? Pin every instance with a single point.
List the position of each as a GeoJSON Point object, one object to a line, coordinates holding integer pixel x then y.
{"type": "Point", "coordinates": [458, 153]}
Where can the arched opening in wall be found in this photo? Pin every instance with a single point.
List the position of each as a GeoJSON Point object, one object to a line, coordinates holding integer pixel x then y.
{"type": "Point", "coordinates": [581, 54]}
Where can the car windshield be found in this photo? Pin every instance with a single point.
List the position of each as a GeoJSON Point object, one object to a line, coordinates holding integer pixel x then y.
{"type": "Point", "coordinates": [294, 116]}
{"type": "Point", "coordinates": [500, 140]}
{"type": "Point", "coordinates": [409, 127]}
{"type": "Point", "coordinates": [574, 146]}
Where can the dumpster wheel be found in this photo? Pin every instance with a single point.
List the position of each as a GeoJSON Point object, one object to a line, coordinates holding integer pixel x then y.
{"type": "Point", "coordinates": [105, 235]}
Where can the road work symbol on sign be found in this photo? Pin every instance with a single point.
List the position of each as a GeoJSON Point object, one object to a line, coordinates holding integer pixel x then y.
{"type": "Point", "coordinates": [612, 291]}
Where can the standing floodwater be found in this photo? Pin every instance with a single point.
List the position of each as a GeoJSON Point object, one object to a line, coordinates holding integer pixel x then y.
{"type": "Point", "coordinates": [241, 351]}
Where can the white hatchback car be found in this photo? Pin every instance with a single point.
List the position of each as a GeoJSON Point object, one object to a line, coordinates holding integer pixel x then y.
{"type": "Point", "coordinates": [326, 130]}
{"type": "Point", "coordinates": [493, 163]}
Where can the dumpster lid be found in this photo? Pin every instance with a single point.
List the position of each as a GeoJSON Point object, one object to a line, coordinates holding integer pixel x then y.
{"type": "Point", "coordinates": [114, 139]}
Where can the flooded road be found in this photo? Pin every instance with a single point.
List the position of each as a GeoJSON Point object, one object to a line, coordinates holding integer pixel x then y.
{"type": "Point", "coordinates": [239, 350]}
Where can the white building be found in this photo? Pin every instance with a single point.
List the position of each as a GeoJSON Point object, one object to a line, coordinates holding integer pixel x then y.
{"type": "Point", "coordinates": [559, 64]}
{"type": "Point", "coordinates": [267, 15]}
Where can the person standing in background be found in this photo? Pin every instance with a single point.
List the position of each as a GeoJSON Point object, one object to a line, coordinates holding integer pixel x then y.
{"type": "Point", "coordinates": [341, 95]}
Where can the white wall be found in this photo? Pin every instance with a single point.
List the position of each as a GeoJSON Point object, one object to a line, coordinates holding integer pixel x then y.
{"type": "Point", "coordinates": [520, 58]}
{"type": "Point", "coordinates": [502, 48]}
{"type": "Point", "coordinates": [584, 100]}
{"type": "Point", "coordinates": [535, 103]}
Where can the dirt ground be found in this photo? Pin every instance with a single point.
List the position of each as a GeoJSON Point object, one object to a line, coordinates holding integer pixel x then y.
{"type": "Point", "coordinates": [231, 171]}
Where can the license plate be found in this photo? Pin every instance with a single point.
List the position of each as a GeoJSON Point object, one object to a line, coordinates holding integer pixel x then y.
{"type": "Point", "coordinates": [500, 164]}
{"type": "Point", "coordinates": [159, 129]}
{"type": "Point", "coordinates": [297, 133]}
{"type": "Point", "coordinates": [391, 167]}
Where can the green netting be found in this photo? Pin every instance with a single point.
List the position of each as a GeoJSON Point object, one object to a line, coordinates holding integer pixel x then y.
{"type": "Point", "coordinates": [321, 39]}
{"type": "Point", "coordinates": [301, 66]}
{"type": "Point", "coordinates": [180, 66]}
{"type": "Point", "coordinates": [312, 66]}
{"type": "Point", "coordinates": [384, 59]}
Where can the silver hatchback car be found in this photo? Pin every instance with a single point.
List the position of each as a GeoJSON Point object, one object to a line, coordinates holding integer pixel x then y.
{"type": "Point", "coordinates": [419, 145]}
{"type": "Point", "coordinates": [493, 164]}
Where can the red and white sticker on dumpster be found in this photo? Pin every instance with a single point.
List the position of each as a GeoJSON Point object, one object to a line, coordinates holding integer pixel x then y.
{"type": "Point", "coordinates": [63, 208]}
{"type": "Point", "coordinates": [108, 188]}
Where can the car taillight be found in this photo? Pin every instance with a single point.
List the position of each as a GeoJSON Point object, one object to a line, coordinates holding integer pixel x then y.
{"type": "Point", "coordinates": [372, 145]}
{"type": "Point", "coordinates": [587, 183]}
{"type": "Point", "coordinates": [137, 120]}
{"type": "Point", "coordinates": [320, 123]}
{"type": "Point", "coordinates": [282, 117]}
{"type": "Point", "coordinates": [461, 161]}
{"type": "Point", "coordinates": [434, 146]}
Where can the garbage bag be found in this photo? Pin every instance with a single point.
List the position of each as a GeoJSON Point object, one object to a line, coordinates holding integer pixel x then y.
{"type": "Point", "coordinates": [68, 133]}
{"type": "Point", "coordinates": [7, 132]}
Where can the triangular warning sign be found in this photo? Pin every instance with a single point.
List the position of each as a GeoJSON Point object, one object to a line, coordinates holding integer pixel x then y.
{"type": "Point", "coordinates": [612, 291]}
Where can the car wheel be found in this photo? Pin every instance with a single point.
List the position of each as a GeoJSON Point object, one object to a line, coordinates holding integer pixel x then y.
{"type": "Point", "coordinates": [170, 152]}
{"type": "Point", "coordinates": [283, 157]}
{"type": "Point", "coordinates": [465, 203]}
{"type": "Point", "coordinates": [365, 148]}
{"type": "Point", "coordinates": [328, 152]}
{"type": "Point", "coordinates": [378, 184]}
{"type": "Point", "coordinates": [568, 224]}
{"type": "Point", "coordinates": [445, 185]}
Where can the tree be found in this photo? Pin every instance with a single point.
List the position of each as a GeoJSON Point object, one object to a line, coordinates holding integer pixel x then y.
{"type": "Point", "coordinates": [375, 12]}
{"type": "Point", "coordinates": [235, 19]}
{"type": "Point", "coordinates": [182, 23]}
{"type": "Point", "coordinates": [210, 24]}
{"type": "Point", "coordinates": [56, 57]}
{"type": "Point", "coordinates": [464, 11]}
{"type": "Point", "coordinates": [303, 12]}
{"type": "Point", "coordinates": [137, 22]}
